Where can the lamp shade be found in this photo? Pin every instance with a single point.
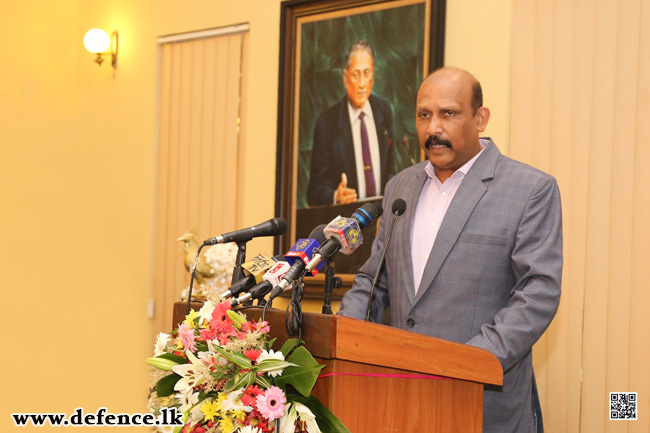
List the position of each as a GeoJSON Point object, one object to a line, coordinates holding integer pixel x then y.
{"type": "Point", "coordinates": [97, 41]}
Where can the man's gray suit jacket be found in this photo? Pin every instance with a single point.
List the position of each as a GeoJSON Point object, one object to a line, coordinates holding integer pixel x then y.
{"type": "Point", "coordinates": [492, 279]}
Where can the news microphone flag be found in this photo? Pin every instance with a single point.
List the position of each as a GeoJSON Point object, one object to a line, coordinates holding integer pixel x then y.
{"type": "Point", "coordinates": [275, 274]}
{"type": "Point", "coordinates": [304, 250]}
{"type": "Point", "coordinates": [258, 265]}
{"type": "Point", "coordinates": [347, 230]}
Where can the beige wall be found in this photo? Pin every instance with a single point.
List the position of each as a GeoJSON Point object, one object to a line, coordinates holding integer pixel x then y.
{"type": "Point", "coordinates": [77, 162]}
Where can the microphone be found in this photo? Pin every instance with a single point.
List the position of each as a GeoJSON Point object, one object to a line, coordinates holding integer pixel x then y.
{"type": "Point", "coordinates": [271, 279]}
{"type": "Point", "coordinates": [272, 227]}
{"type": "Point", "coordinates": [254, 270]}
{"type": "Point", "coordinates": [345, 233]}
{"type": "Point", "coordinates": [301, 254]}
{"type": "Point", "coordinates": [398, 208]}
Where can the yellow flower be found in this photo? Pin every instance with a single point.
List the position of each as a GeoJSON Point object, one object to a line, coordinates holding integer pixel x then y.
{"type": "Point", "coordinates": [226, 424]}
{"type": "Point", "coordinates": [210, 410]}
{"type": "Point", "coordinates": [239, 415]}
{"type": "Point", "coordinates": [189, 319]}
{"type": "Point", "coordinates": [219, 402]}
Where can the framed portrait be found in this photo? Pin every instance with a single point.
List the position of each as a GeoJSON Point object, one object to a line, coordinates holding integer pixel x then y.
{"type": "Point", "coordinates": [338, 59]}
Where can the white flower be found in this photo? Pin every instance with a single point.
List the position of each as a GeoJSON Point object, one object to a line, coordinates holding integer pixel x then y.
{"type": "Point", "coordinates": [306, 415]}
{"type": "Point", "coordinates": [250, 429]}
{"type": "Point", "coordinates": [205, 313]}
{"type": "Point", "coordinates": [161, 343]}
{"type": "Point", "coordinates": [297, 411]}
{"type": "Point", "coordinates": [192, 374]}
{"type": "Point", "coordinates": [187, 399]}
{"type": "Point", "coordinates": [232, 402]}
{"type": "Point", "coordinates": [271, 355]}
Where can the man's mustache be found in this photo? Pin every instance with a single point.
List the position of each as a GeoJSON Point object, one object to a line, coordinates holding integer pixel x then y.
{"type": "Point", "coordinates": [434, 139]}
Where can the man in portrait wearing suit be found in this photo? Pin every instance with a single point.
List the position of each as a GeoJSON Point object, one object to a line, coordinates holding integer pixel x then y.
{"type": "Point", "coordinates": [477, 256]}
{"type": "Point", "coordinates": [352, 155]}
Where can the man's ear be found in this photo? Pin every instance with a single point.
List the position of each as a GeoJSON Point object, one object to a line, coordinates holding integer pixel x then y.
{"type": "Point", "coordinates": [483, 117]}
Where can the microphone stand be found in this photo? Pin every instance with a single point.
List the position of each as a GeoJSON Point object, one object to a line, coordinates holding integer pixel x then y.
{"type": "Point", "coordinates": [331, 282]}
{"type": "Point", "coordinates": [238, 271]}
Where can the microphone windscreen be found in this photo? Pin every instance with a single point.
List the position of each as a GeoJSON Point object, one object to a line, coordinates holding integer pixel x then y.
{"type": "Point", "coordinates": [279, 226]}
{"type": "Point", "coordinates": [318, 233]}
{"type": "Point", "coordinates": [367, 213]}
{"type": "Point", "coordinates": [399, 207]}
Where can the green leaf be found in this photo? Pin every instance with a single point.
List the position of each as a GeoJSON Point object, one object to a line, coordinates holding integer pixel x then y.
{"type": "Point", "coordinates": [263, 382]}
{"type": "Point", "coordinates": [288, 346]}
{"type": "Point", "coordinates": [327, 421]}
{"type": "Point", "coordinates": [234, 357]}
{"type": "Point", "coordinates": [241, 381]}
{"type": "Point", "coordinates": [177, 359]}
{"type": "Point", "coordinates": [165, 386]}
{"type": "Point", "coordinates": [304, 376]}
{"type": "Point", "coordinates": [272, 364]}
{"type": "Point", "coordinates": [201, 347]}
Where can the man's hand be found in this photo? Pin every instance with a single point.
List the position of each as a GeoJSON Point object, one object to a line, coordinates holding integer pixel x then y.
{"type": "Point", "coordinates": [343, 193]}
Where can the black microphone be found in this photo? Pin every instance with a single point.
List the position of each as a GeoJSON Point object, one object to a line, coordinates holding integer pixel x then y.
{"type": "Point", "coordinates": [398, 208]}
{"type": "Point", "coordinates": [254, 270]}
{"type": "Point", "coordinates": [271, 279]}
{"type": "Point", "coordinates": [272, 227]}
{"type": "Point", "coordinates": [299, 265]}
{"type": "Point", "coordinates": [365, 216]}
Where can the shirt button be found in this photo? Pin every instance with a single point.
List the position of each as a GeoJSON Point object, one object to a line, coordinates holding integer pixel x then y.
{"type": "Point", "coordinates": [435, 224]}
{"type": "Point", "coordinates": [444, 194]}
{"type": "Point", "coordinates": [410, 323]}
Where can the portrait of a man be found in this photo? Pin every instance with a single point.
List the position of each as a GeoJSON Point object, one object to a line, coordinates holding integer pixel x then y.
{"type": "Point", "coordinates": [353, 154]}
{"type": "Point", "coordinates": [352, 125]}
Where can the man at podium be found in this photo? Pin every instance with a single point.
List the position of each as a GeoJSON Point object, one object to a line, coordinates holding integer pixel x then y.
{"type": "Point", "coordinates": [477, 256]}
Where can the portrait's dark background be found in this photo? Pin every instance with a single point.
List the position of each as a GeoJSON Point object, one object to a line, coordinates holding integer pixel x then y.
{"type": "Point", "coordinates": [397, 37]}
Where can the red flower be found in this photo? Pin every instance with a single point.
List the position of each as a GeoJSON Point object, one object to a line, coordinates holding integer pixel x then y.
{"type": "Point", "coordinates": [252, 354]}
{"type": "Point", "coordinates": [250, 395]}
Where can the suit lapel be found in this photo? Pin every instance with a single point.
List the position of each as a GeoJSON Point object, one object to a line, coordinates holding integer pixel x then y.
{"type": "Point", "coordinates": [465, 200]}
{"type": "Point", "coordinates": [346, 144]}
{"type": "Point", "coordinates": [410, 195]}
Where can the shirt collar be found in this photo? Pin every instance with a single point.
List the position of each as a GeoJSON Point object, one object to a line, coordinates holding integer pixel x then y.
{"type": "Point", "coordinates": [462, 171]}
{"type": "Point", "coordinates": [355, 112]}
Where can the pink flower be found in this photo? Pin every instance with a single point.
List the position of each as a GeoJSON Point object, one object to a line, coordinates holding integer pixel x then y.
{"type": "Point", "coordinates": [187, 337]}
{"type": "Point", "coordinates": [272, 404]}
{"type": "Point", "coordinates": [207, 334]}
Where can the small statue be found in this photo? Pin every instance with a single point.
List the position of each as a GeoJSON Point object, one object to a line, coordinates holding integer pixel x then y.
{"type": "Point", "coordinates": [213, 269]}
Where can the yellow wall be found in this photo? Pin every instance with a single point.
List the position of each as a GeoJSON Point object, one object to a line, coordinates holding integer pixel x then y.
{"type": "Point", "coordinates": [77, 173]}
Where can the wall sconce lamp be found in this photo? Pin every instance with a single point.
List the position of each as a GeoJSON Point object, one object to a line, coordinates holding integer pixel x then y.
{"type": "Point", "coordinates": [98, 42]}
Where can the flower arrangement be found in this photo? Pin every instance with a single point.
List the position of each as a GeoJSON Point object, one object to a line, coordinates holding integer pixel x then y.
{"type": "Point", "coordinates": [218, 369]}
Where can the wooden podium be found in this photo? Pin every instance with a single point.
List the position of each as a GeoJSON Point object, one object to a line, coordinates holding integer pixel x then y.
{"type": "Point", "coordinates": [382, 379]}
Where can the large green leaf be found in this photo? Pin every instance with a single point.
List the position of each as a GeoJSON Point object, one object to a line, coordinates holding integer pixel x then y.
{"type": "Point", "coordinates": [303, 377]}
{"type": "Point", "coordinates": [288, 346]}
{"type": "Point", "coordinates": [177, 359]}
{"type": "Point", "coordinates": [327, 421]}
{"type": "Point", "coordinates": [165, 386]}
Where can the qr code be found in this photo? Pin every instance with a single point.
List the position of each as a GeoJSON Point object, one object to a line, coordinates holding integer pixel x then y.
{"type": "Point", "coordinates": [622, 406]}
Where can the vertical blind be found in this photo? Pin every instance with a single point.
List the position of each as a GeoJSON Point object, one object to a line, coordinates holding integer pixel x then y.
{"type": "Point", "coordinates": [580, 104]}
{"type": "Point", "coordinates": [199, 162]}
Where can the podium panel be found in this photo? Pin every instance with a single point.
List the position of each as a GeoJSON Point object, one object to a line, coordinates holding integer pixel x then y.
{"type": "Point", "coordinates": [382, 379]}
